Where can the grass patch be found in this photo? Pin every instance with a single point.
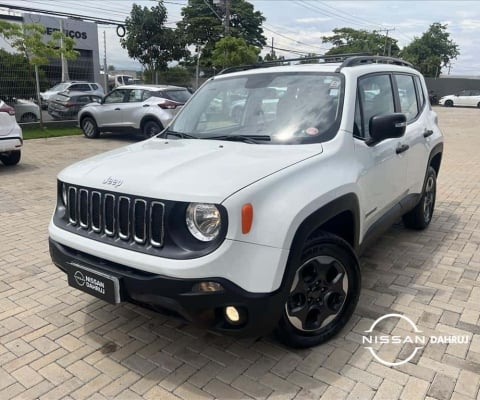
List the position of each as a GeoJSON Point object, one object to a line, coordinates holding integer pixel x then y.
{"type": "Point", "coordinates": [38, 133]}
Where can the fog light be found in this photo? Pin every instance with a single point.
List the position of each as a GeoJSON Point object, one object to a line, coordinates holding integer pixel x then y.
{"type": "Point", "coordinates": [207, 287]}
{"type": "Point", "coordinates": [232, 314]}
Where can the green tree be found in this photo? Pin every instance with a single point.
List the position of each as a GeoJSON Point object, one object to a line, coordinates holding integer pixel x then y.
{"type": "Point", "coordinates": [349, 40]}
{"type": "Point", "coordinates": [149, 41]}
{"type": "Point", "coordinates": [431, 51]}
{"type": "Point", "coordinates": [178, 75]}
{"type": "Point", "coordinates": [309, 60]}
{"type": "Point", "coordinates": [230, 52]}
{"type": "Point", "coordinates": [27, 39]}
{"type": "Point", "coordinates": [203, 27]}
{"type": "Point", "coordinates": [18, 76]}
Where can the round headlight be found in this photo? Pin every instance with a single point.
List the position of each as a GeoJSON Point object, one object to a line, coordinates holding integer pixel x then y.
{"type": "Point", "coordinates": [64, 194]}
{"type": "Point", "coordinates": [203, 221]}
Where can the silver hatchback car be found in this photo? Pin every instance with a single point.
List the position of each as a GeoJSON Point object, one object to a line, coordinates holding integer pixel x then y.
{"type": "Point", "coordinates": [134, 108]}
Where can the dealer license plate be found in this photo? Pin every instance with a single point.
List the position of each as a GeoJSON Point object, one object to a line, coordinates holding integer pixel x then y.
{"type": "Point", "coordinates": [98, 284]}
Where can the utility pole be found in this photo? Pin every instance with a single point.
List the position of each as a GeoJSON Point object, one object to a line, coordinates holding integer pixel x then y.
{"type": "Point", "coordinates": [63, 60]}
{"type": "Point", "coordinates": [227, 18]}
{"type": "Point", "coordinates": [387, 41]}
{"type": "Point", "coordinates": [105, 71]}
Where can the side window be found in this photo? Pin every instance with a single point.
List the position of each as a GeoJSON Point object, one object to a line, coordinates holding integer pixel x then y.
{"type": "Point", "coordinates": [146, 95]}
{"type": "Point", "coordinates": [83, 99]}
{"type": "Point", "coordinates": [420, 92]}
{"type": "Point", "coordinates": [94, 86]}
{"type": "Point", "coordinates": [407, 96]}
{"type": "Point", "coordinates": [135, 95]}
{"type": "Point", "coordinates": [357, 121]}
{"type": "Point", "coordinates": [116, 96]}
{"type": "Point", "coordinates": [82, 87]}
{"type": "Point", "coordinates": [376, 98]}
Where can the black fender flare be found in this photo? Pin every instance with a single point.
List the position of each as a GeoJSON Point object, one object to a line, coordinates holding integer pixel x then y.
{"type": "Point", "coordinates": [437, 149]}
{"type": "Point", "coordinates": [87, 114]}
{"type": "Point", "coordinates": [348, 202]}
{"type": "Point", "coordinates": [150, 117]}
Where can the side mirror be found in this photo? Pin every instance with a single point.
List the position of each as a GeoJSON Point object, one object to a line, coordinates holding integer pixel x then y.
{"type": "Point", "coordinates": [386, 126]}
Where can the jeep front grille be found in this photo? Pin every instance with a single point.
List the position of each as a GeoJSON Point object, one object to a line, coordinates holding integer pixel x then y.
{"type": "Point", "coordinates": [118, 216]}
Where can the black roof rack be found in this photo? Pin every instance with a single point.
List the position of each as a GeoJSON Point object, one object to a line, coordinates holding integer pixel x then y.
{"type": "Point", "coordinates": [369, 59]}
{"type": "Point", "coordinates": [332, 58]}
{"type": "Point", "coordinates": [347, 60]}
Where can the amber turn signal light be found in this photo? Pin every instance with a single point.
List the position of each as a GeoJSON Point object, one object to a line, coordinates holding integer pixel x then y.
{"type": "Point", "coordinates": [247, 218]}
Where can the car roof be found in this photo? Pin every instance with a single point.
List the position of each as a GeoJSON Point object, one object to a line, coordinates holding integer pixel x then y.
{"type": "Point", "coordinates": [154, 88]}
{"type": "Point", "coordinates": [72, 93]}
{"type": "Point", "coordinates": [325, 67]}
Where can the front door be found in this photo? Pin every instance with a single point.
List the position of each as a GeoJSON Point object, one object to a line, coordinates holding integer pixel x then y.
{"type": "Point", "coordinates": [111, 110]}
{"type": "Point", "coordinates": [382, 181]}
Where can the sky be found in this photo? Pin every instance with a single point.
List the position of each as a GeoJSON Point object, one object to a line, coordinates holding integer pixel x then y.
{"type": "Point", "coordinates": [299, 25]}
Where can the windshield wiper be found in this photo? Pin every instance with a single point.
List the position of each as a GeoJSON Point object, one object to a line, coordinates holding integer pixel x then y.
{"type": "Point", "coordinates": [241, 138]}
{"type": "Point", "coordinates": [181, 135]}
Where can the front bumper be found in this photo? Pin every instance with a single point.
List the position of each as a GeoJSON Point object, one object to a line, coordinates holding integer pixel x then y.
{"type": "Point", "coordinates": [260, 312]}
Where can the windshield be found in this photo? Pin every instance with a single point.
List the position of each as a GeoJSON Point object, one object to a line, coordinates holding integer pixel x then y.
{"type": "Point", "coordinates": [284, 108]}
{"type": "Point", "coordinates": [59, 87]}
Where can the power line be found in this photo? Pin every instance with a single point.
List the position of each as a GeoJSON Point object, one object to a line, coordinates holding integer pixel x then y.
{"type": "Point", "coordinates": [63, 14]}
{"type": "Point", "coordinates": [288, 38]}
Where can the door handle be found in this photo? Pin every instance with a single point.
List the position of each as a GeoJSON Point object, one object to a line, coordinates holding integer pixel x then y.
{"type": "Point", "coordinates": [427, 133]}
{"type": "Point", "coordinates": [146, 105]}
{"type": "Point", "coordinates": [402, 148]}
{"type": "Point", "coordinates": [116, 109]}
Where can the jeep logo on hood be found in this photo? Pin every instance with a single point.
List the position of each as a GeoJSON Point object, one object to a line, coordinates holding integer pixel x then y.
{"type": "Point", "coordinates": [115, 182]}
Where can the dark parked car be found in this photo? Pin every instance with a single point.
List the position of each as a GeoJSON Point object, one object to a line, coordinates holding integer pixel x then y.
{"type": "Point", "coordinates": [66, 105]}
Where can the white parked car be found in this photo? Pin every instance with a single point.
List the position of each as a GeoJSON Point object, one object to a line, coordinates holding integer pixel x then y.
{"type": "Point", "coordinates": [26, 111]}
{"type": "Point", "coordinates": [254, 223]}
{"type": "Point", "coordinates": [11, 139]}
{"type": "Point", "coordinates": [133, 108]}
{"type": "Point", "coordinates": [465, 98]}
{"type": "Point", "coordinates": [73, 86]}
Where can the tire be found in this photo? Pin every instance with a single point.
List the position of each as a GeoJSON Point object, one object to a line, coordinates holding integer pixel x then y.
{"type": "Point", "coordinates": [89, 128]}
{"type": "Point", "coordinates": [151, 128]}
{"type": "Point", "coordinates": [11, 158]}
{"type": "Point", "coordinates": [449, 103]}
{"type": "Point", "coordinates": [28, 117]}
{"type": "Point", "coordinates": [478, 105]}
{"type": "Point", "coordinates": [323, 294]}
{"type": "Point", "coordinates": [420, 217]}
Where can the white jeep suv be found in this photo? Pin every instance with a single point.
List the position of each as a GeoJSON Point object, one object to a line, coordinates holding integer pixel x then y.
{"type": "Point", "coordinates": [145, 108]}
{"type": "Point", "coordinates": [11, 139]}
{"type": "Point", "coordinates": [254, 223]}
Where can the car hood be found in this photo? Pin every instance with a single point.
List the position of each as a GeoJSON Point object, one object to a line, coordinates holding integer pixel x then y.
{"type": "Point", "coordinates": [185, 170]}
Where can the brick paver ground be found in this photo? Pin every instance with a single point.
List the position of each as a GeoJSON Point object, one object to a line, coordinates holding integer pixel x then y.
{"type": "Point", "coordinates": [56, 342]}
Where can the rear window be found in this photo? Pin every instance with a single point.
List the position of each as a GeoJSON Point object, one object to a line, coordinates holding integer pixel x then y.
{"type": "Point", "coordinates": [83, 87]}
{"type": "Point", "coordinates": [180, 96]}
{"type": "Point", "coordinates": [62, 97]}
